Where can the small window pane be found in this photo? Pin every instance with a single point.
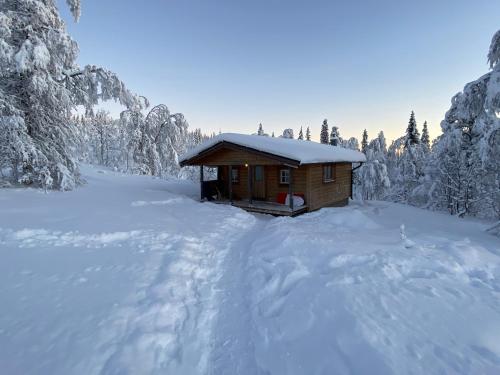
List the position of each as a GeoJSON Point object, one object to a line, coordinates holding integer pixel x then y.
{"type": "Point", "coordinates": [259, 173]}
{"type": "Point", "coordinates": [284, 176]}
{"type": "Point", "coordinates": [327, 173]}
{"type": "Point", "coordinates": [235, 176]}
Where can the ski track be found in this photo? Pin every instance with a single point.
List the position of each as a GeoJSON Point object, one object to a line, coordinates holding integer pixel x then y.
{"type": "Point", "coordinates": [233, 326]}
{"type": "Point", "coordinates": [167, 326]}
{"type": "Point", "coordinates": [171, 325]}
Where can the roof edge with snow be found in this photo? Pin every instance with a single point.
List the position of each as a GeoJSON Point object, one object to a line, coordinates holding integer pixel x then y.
{"type": "Point", "coordinates": [293, 150]}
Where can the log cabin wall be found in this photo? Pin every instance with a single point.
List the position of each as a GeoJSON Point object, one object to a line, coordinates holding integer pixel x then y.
{"type": "Point", "coordinates": [273, 187]}
{"type": "Point", "coordinates": [271, 177]}
{"type": "Point", "coordinates": [307, 179]}
{"type": "Point", "coordinates": [324, 194]}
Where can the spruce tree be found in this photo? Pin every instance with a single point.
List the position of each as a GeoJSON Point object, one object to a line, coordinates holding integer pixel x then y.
{"type": "Point", "coordinates": [301, 134]}
{"type": "Point", "coordinates": [308, 134]}
{"type": "Point", "coordinates": [260, 131]}
{"type": "Point", "coordinates": [412, 134]}
{"type": "Point", "coordinates": [426, 143]}
{"type": "Point", "coordinates": [364, 142]}
{"type": "Point", "coordinates": [324, 132]}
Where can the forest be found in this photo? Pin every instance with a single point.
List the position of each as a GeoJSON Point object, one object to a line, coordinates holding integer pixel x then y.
{"type": "Point", "coordinates": [49, 127]}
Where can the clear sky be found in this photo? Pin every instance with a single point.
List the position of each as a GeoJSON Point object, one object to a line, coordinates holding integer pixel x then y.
{"type": "Point", "coordinates": [230, 64]}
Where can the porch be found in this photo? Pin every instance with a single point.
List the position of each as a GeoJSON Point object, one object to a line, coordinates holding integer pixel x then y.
{"type": "Point", "coordinates": [254, 188]}
{"type": "Point", "coordinates": [263, 207]}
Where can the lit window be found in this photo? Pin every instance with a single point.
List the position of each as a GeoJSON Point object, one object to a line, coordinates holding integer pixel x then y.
{"type": "Point", "coordinates": [284, 176]}
{"type": "Point", "coordinates": [328, 173]}
{"type": "Point", "coordinates": [235, 175]}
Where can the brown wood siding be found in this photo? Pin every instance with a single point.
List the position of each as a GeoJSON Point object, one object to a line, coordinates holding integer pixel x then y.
{"type": "Point", "coordinates": [240, 190]}
{"type": "Point", "coordinates": [307, 179]}
{"type": "Point", "coordinates": [273, 187]}
{"type": "Point", "coordinates": [271, 175]}
{"type": "Point", "coordinates": [234, 157]}
{"type": "Point", "coordinates": [321, 194]}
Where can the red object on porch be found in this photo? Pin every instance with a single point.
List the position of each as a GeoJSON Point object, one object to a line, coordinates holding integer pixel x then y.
{"type": "Point", "coordinates": [281, 198]}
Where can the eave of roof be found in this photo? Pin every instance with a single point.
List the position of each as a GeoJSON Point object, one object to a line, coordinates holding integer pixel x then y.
{"type": "Point", "coordinates": [287, 151]}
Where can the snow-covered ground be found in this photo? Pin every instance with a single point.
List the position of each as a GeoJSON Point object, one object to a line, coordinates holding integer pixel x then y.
{"type": "Point", "coordinates": [131, 275]}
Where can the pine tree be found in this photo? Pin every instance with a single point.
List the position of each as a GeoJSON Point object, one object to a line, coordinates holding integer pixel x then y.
{"type": "Point", "coordinates": [301, 134]}
{"type": "Point", "coordinates": [425, 140]}
{"type": "Point", "coordinates": [364, 142]}
{"type": "Point", "coordinates": [335, 139]}
{"type": "Point", "coordinates": [324, 132]}
{"type": "Point", "coordinates": [308, 134]}
{"type": "Point", "coordinates": [260, 131]}
{"type": "Point", "coordinates": [412, 134]}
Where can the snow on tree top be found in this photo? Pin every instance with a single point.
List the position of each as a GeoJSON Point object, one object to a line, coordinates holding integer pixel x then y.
{"type": "Point", "coordinates": [304, 152]}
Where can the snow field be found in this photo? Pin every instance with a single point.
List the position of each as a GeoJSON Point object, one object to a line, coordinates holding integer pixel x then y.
{"type": "Point", "coordinates": [134, 301]}
{"type": "Point", "coordinates": [131, 275]}
{"type": "Point", "coordinates": [339, 291]}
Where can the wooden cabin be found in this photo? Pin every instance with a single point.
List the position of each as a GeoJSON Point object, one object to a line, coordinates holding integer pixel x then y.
{"type": "Point", "coordinates": [260, 173]}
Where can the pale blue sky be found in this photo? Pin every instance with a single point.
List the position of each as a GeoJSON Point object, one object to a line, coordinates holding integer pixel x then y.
{"type": "Point", "coordinates": [231, 64]}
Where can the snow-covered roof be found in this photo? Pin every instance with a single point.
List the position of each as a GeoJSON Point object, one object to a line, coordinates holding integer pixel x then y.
{"type": "Point", "coordinates": [304, 152]}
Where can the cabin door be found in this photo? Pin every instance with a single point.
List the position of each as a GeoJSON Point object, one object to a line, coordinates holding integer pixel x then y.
{"type": "Point", "coordinates": [259, 182]}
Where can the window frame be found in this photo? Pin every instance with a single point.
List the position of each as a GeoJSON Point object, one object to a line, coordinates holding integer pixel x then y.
{"type": "Point", "coordinates": [280, 181]}
{"type": "Point", "coordinates": [261, 169]}
{"type": "Point", "coordinates": [333, 172]}
{"type": "Point", "coordinates": [238, 175]}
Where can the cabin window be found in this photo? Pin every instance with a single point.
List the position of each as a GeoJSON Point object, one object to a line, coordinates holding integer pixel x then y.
{"type": "Point", "coordinates": [328, 173]}
{"type": "Point", "coordinates": [284, 176]}
{"type": "Point", "coordinates": [235, 175]}
{"type": "Point", "coordinates": [259, 173]}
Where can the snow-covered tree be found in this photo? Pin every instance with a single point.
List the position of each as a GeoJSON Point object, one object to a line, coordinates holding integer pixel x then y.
{"type": "Point", "coordinates": [301, 134]}
{"type": "Point", "coordinates": [197, 136]}
{"type": "Point", "coordinates": [351, 143]}
{"type": "Point", "coordinates": [382, 142]}
{"type": "Point", "coordinates": [412, 134]}
{"type": "Point", "coordinates": [324, 137]}
{"type": "Point", "coordinates": [335, 139]}
{"type": "Point", "coordinates": [192, 139]}
{"type": "Point", "coordinates": [103, 134]}
{"type": "Point", "coordinates": [308, 134]}
{"type": "Point", "coordinates": [156, 140]}
{"type": "Point", "coordinates": [287, 133]}
{"type": "Point", "coordinates": [405, 164]}
{"type": "Point", "coordinates": [364, 142]}
{"type": "Point", "coordinates": [40, 84]}
{"type": "Point", "coordinates": [467, 154]}
{"type": "Point", "coordinates": [425, 139]}
{"type": "Point", "coordinates": [373, 175]}
{"type": "Point", "coordinates": [494, 52]}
